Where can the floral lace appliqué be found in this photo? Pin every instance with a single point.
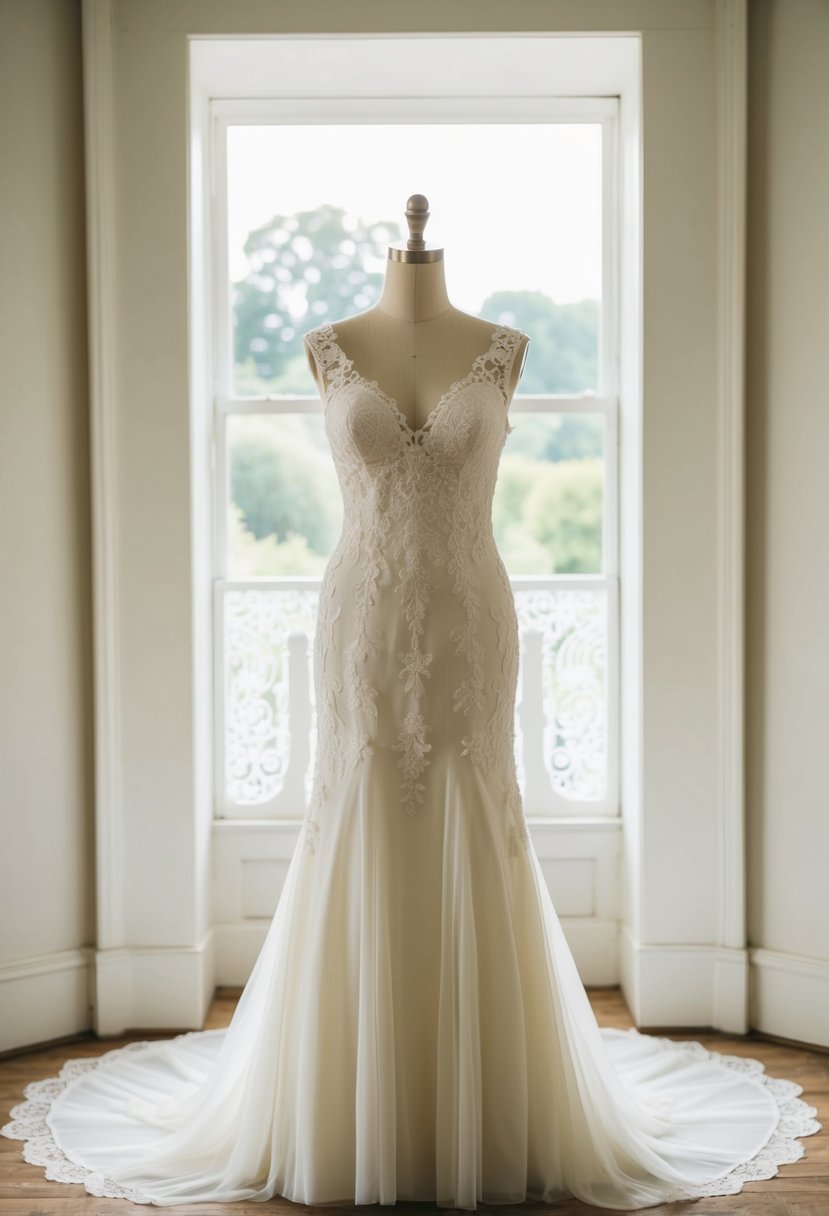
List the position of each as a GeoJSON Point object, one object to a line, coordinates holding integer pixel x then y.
{"type": "Point", "coordinates": [412, 743]}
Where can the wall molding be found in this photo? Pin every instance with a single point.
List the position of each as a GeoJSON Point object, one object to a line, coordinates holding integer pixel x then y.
{"type": "Point", "coordinates": [101, 245]}
{"type": "Point", "coordinates": [49, 996]}
{"type": "Point", "coordinates": [717, 972]}
{"type": "Point", "coordinates": [732, 85]}
{"type": "Point", "coordinates": [694, 986]}
{"type": "Point", "coordinates": [790, 996]}
{"type": "Point", "coordinates": [45, 997]}
{"type": "Point", "coordinates": [153, 988]}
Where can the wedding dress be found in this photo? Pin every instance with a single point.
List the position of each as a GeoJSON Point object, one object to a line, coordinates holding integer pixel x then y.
{"type": "Point", "coordinates": [414, 1027]}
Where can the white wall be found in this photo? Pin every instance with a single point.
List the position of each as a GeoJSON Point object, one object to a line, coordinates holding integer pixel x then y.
{"type": "Point", "coordinates": [46, 876]}
{"type": "Point", "coordinates": [788, 516]}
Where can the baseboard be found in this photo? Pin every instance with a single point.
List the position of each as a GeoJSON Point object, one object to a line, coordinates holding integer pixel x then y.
{"type": "Point", "coordinates": [153, 988]}
{"type": "Point", "coordinates": [595, 948]}
{"type": "Point", "coordinates": [236, 947]}
{"type": "Point", "coordinates": [45, 996]}
{"type": "Point", "coordinates": [676, 985]}
{"type": "Point", "coordinates": [790, 996]}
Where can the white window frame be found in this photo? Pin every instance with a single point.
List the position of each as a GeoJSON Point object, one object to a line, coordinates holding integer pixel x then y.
{"type": "Point", "coordinates": [351, 110]}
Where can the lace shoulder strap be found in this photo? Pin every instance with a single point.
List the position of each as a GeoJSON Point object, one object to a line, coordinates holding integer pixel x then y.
{"type": "Point", "coordinates": [499, 359]}
{"type": "Point", "coordinates": [330, 360]}
{"type": "Point", "coordinates": [495, 365]}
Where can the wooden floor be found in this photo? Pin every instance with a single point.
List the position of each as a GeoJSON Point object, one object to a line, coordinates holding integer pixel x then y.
{"type": "Point", "coordinates": [801, 1189]}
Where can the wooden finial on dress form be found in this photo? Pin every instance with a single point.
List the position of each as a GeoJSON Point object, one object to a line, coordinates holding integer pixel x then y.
{"type": "Point", "coordinates": [415, 251]}
{"type": "Point", "coordinates": [417, 216]}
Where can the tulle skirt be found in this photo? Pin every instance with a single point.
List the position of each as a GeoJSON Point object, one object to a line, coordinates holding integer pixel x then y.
{"type": "Point", "coordinates": [414, 1028]}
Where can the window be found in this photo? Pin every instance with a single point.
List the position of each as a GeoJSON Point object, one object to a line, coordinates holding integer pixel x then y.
{"type": "Point", "coordinates": [302, 221]}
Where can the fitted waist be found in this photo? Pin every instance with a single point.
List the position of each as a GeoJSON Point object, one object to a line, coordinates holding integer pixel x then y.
{"type": "Point", "coordinates": [394, 555]}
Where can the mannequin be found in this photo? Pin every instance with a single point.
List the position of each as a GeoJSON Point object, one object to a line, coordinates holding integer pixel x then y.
{"type": "Point", "coordinates": [413, 342]}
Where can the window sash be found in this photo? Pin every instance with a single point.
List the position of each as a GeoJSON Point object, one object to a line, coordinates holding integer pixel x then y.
{"type": "Point", "coordinates": [606, 402]}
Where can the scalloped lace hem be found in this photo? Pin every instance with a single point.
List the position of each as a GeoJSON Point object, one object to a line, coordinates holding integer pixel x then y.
{"type": "Point", "coordinates": [783, 1147]}
{"type": "Point", "coordinates": [797, 1119]}
{"type": "Point", "coordinates": [28, 1123]}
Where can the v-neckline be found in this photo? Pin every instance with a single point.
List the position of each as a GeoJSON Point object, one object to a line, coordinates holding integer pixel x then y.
{"type": "Point", "coordinates": [350, 371]}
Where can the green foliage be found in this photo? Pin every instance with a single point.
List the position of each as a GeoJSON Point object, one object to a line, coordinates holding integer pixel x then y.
{"type": "Point", "coordinates": [251, 558]}
{"type": "Point", "coordinates": [563, 511]}
{"type": "Point", "coordinates": [307, 265]}
{"type": "Point", "coordinates": [281, 483]}
{"type": "Point", "coordinates": [575, 437]}
{"type": "Point", "coordinates": [547, 517]}
{"type": "Point", "coordinates": [515, 480]}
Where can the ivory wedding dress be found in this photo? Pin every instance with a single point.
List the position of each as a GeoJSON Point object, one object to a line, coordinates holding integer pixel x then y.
{"type": "Point", "coordinates": [414, 1026]}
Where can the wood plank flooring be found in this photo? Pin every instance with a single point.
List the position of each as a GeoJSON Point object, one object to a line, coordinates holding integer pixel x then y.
{"type": "Point", "coordinates": [800, 1189]}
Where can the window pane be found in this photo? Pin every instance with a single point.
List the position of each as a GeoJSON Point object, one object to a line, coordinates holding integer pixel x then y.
{"type": "Point", "coordinates": [549, 498]}
{"type": "Point", "coordinates": [285, 509]}
{"type": "Point", "coordinates": [302, 252]}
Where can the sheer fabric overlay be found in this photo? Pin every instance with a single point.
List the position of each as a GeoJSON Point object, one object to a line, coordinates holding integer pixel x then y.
{"type": "Point", "coordinates": [29, 1119]}
{"type": "Point", "coordinates": [414, 1026]}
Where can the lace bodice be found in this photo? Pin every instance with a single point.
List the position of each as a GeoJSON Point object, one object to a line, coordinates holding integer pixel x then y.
{"type": "Point", "coordinates": [417, 555]}
{"type": "Point", "coordinates": [493, 366]}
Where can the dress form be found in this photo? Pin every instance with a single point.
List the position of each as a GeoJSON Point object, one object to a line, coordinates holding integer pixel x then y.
{"type": "Point", "coordinates": [414, 342]}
